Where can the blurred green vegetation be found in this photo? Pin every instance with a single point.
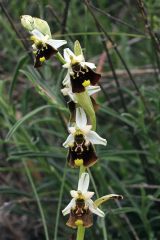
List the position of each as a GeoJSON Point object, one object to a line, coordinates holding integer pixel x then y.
{"type": "Point", "coordinates": [34, 178]}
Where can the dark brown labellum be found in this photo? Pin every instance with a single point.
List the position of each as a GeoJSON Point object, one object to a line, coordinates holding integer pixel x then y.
{"type": "Point", "coordinates": [81, 150]}
{"type": "Point", "coordinates": [80, 75]}
{"type": "Point", "coordinates": [45, 52]}
{"type": "Point", "coordinates": [80, 212]}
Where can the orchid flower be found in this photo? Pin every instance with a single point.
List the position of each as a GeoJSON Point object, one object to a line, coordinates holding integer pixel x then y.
{"type": "Point", "coordinates": [80, 73]}
{"type": "Point", "coordinates": [81, 140]}
{"type": "Point", "coordinates": [43, 44]}
{"type": "Point", "coordinates": [82, 207]}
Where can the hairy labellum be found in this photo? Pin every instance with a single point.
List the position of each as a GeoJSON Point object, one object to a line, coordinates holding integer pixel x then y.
{"type": "Point", "coordinates": [82, 77]}
{"type": "Point", "coordinates": [43, 52]}
{"type": "Point", "coordinates": [80, 213]}
{"type": "Point", "coordinates": [81, 150]}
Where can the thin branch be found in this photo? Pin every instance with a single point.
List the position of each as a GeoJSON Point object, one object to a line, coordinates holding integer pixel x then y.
{"type": "Point", "coordinates": [148, 25]}
{"type": "Point", "coordinates": [86, 2]}
{"type": "Point", "coordinates": [4, 10]}
{"type": "Point", "coordinates": [115, 19]}
{"type": "Point", "coordinates": [65, 16]}
{"type": "Point", "coordinates": [135, 72]}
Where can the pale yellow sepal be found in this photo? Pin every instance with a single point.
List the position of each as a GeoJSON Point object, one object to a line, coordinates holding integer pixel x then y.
{"type": "Point", "coordinates": [103, 199]}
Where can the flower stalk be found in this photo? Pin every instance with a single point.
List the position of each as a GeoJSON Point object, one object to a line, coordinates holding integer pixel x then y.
{"type": "Point", "coordinates": [85, 102]}
{"type": "Point", "coordinates": [80, 233]}
{"type": "Point", "coordinates": [60, 58]}
{"type": "Point", "coordinates": [81, 229]}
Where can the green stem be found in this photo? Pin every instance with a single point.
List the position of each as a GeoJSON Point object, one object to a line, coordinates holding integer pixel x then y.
{"type": "Point", "coordinates": [80, 233]}
{"type": "Point", "coordinates": [85, 102]}
{"type": "Point", "coordinates": [60, 58]}
{"type": "Point", "coordinates": [81, 170]}
{"type": "Point", "coordinates": [81, 229]}
{"type": "Point", "coordinates": [97, 195]}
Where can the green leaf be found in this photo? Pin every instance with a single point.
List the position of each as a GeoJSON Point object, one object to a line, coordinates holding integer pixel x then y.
{"type": "Point", "coordinates": [23, 119]}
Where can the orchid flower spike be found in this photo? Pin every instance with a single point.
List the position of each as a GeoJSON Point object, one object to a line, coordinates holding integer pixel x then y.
{"type": "Point", "coordinates": [80, 142]}
{"type": "Point", "coordinates": [81, 207]}
{"type": "Point", "coordinates": [43, 44]}
{"type": "Point", "coordinates": [80, 73]}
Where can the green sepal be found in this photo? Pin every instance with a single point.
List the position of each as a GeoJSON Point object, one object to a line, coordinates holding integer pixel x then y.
{"type": "Point", "coordinates": [42, 26]}
{"type": "Point", "coordinates": [77, 48]}
{"type": "Point", "coordinates": [105, 198]}
{"type": "Point", "coordinates": [83, 99]}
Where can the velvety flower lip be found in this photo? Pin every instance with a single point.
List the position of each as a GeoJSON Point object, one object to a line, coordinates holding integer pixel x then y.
{"type": "Point", "coordinates": [85, 155]}
{"type": "Point", "coordinates": [80, 73]}
{"type": "Point", "coordinates": [44, 46]}
{"type": "Point", "coordinates": [83, 193]}
{"type": "Point", "coordinates": [84, 129]}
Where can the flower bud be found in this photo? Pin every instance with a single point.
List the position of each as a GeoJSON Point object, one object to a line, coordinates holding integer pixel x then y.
{"type": "Point", "coordinates": [31, 23]}
{"type": "Point", "coordinates": [27, 22]}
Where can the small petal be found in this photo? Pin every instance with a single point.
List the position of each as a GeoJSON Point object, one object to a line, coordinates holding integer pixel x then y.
{"type": "Point", "coordinates": [74, 193]}
{"type": "Point", "coordinates": [72, 130]}
{"type": "Point", "coordinates": [67, 54]}
{"type": "Point", "coordinates": [79, 58]}
{"type": "Point", "coordinates": [97, 211]}
{"type": "Point", "coordinates": [81, 119]}
{"type": "Point", "coordinates": [90, 65]}
{"type": "Point", "coordinates": [38, 34]}
{"type": "Point", "coordinates": [86, 129]}
{"type": "Point", "coordinates": [73, 97]}
{"type": "Point", "coordinates": [92, 89]}
{"type": "Point", "coordinates": [69, 141]}
{"type": "Point", "coordinates": [65, 91]}
{"type": "Point", "coordinates": [94, 138]}
{"type": "Point", "coordinates": [94, 209]}
{"type": "Point", "coordinates": [34, 47]}
{"type": "Point", "coordinates": [83, 183]}
{"type": "Point", "coordinates": [56, 43]}
{"type": "Point", "coordinates": [67, 209]}
{"type": "Point", "coordinates": [88, 195]}
{"type": "Point", "coordinates": [66, 80]}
